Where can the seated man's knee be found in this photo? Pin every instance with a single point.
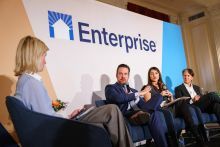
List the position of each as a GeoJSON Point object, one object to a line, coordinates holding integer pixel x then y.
{"type": "Point", "coordinates": [213, 97]}
{"type": "Point", "coordinates": [112, 108]}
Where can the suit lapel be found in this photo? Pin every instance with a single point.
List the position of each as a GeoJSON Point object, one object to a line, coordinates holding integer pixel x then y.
{"type": "Point", "coordinates": [119, 87]}
{"type": "Point", "coordinates": [197, 90]}
{"type": "Point", "coordinates": [185, 91]}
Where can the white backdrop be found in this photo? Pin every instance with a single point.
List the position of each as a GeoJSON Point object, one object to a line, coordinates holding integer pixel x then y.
{"type": "Point", "coordinates": [79, 70]}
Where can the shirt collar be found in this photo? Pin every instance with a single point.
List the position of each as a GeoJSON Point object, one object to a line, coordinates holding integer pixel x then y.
{"type": "Point", "coordinates": [35, 75]}
{"type": "Point", "coordinates": [186, 85]}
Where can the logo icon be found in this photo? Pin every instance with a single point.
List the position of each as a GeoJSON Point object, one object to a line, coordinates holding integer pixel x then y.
{"type": "Point", "coordinates": [60, 25]}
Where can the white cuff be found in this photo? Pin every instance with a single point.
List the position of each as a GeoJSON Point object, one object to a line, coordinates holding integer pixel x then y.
{"type": "Point", "coordinates": [191, 101]}
{"type": "Point", "coordinates": [137, 97]}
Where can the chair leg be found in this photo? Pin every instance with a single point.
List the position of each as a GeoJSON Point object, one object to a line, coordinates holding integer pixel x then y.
{"type": "Point", "coordinates": [203, 131]}
{"type": "Point", "coordinates": [181, 141]}
{"type": "Point", "coordinates": [207, 135]}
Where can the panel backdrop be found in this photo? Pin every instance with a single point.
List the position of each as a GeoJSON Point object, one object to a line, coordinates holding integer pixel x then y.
{"type": "Point", "coordinates": [88, 40]}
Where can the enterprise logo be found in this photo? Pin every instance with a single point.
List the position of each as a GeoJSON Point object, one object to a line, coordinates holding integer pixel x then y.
{"type": "Point", "coordinates": [60, 26]}
{"type": "Point", "coordinates": [108, 38]}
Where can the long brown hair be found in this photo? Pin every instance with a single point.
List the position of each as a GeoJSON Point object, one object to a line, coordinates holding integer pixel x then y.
{"type": "Point", "coordinates": [160, 81]}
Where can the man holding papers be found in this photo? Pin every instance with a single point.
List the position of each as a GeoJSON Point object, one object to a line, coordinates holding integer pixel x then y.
{"type": "Point", "coordinates": [209, 103]}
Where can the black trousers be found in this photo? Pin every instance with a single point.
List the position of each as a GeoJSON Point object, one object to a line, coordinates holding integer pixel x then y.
{"type": "Point", "coordinates": [182, 109]}
{"type": "Point", "coordinates": [209, 103]}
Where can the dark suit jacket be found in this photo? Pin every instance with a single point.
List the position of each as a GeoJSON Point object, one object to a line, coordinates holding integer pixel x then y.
{"type": "Point", "coordinates": [182, 91]}
{"type": "Point", "coordinates": [115, 94]}
{"type": "Point", "coordinates": [203, 103]}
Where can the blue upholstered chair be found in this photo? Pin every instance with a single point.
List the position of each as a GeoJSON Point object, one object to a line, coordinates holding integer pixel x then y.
{"type": "Point", "coordinates": [40, 130]}
{"type": "Point", "coordinates": [179, 123]}
{"type": "Point", "coordinates": [176, 124]}
{"type": "Point", "coordinates": [5, 138]}
{"type": "Point", "coordinates": [140, 133]}
{"type": "Point", "coordinates": [208, 122]}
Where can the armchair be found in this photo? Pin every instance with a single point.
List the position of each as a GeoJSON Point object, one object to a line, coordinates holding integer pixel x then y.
{"type": "Point", "coordinates": [139, 134]}
{"type": "Point", "coordinates": [176, 124]}
{"type": "Point", "coordinates": [5, 138]}
{"type": "Point", "coordinates": [208, 122]}
{"type": "Point", "coordinates": [40, 130]}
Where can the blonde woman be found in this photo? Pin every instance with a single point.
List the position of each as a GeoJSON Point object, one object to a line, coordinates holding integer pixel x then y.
{"type": "Point", "coordinates": [30, 60]}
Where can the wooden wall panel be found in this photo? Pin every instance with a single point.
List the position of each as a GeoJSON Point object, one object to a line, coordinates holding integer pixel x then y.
{"type": "Point", "coordinates": [203, 56]}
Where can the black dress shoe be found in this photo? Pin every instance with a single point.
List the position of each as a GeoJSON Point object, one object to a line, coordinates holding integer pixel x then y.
{"type": "Point", "coordinates": [200, 141]}
{"type": "Point", "coordinates": [202, 145]}
{"type": "Point", "coordinates": [140, 118]}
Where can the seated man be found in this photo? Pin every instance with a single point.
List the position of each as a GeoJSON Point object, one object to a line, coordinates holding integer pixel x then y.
{"type": "Point", "coordinates": [209, 103]}
{"type": "Point", "coordinates": [128, 98]}
{"type": "Point", "coordinates": [30, 60]}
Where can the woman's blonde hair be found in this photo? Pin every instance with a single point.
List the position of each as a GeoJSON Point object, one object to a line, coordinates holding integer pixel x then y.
{"type": "Point", "coordinates": [28, 55]}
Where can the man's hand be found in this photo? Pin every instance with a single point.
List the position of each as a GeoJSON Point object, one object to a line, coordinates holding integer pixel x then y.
{"type": "Point", "coordinates": [196, 98]}
{"type": "Point", "coordinates": [74, 113]}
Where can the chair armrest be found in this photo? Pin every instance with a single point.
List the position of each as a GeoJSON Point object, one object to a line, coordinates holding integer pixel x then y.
{"type": "Point", "coordinates": [99, 103]}
{"type": "Point", "coordinates": [205, 123]}
{"type": "Point", "coordinates": [6, 139]}
{"type": "Point", "coordinates": [82, 134]}
{"type": "Point", "coordinates": [36, 129]}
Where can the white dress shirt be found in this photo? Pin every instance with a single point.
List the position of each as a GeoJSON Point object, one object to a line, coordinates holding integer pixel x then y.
{"type": "Point", "coordinates": [191, 92]}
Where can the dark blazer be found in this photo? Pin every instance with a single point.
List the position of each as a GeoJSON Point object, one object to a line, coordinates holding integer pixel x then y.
{"type": "Point", "coordinates": [115, 94]}
{"type": "Point", "coordinates": [182, 91]}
